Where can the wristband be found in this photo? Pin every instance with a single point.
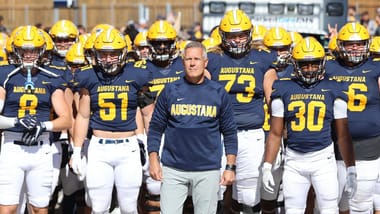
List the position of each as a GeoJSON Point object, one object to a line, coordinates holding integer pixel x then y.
{"type": "Point", "coordinates": [231, 167]}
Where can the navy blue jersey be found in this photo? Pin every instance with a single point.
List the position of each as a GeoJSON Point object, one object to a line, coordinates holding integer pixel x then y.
{"type": "Point", "coordinates": [163, 76]}
{"type": "Point", "coordinates": [58, 61]}
{"type": "Point", "coordinates": [19, 102]}
{"type": "Point", "coordinates": [243, 80]}
{"type": "Point", "coordinates": [285, 74]}
{"type": "Point", "coordinates": [308, 112]}
{"type": "Point", "coordinates": [193, 118]}
{"type": "Point", "coordinates": [362, 88]}
{"type": "Point", "coordinates": [113, 100]}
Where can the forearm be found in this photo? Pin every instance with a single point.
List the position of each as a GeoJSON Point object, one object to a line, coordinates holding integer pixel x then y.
{"type": "Point", "coordinates": [272, 147]}
{"type": "Point", "coordinates": [81, 128]}
{"type": "Point", "coordinates": [231, 159]}
{"type": "Point", "coordinates": [147, 112]}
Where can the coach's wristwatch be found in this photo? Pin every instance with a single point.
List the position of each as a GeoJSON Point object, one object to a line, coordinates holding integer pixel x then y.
{"type": "Point", "coordinates": [231, 167]}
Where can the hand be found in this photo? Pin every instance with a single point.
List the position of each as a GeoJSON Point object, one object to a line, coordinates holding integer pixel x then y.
{"type": "Point", "coordinates": [155, 170]}
{"type": "Point", "coordinates": [28, 121]}
{"type": "Point", "coordinates": [141, 139]}
{"type": "Point", "coordinates": [31, 137]}
{"type": "Point", "coordinates": [351, 183]}
{"type": "Point", "coordinates": [78, 164]}
{"type": "Point", "coordinates": [228, 177]}
{"type": "Point", "coordinates": [268, 181]}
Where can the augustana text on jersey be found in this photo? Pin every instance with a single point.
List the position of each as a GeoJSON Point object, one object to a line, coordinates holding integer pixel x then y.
{"type": "Point", "coordinates": [349, 78]}
{"type": "Point", "coordinates": [307, 97]}
{"type": "Point", "coordinates": [237, 70]}
{"type": "Point", "coordinates": [112, 88]}
{"type": "Point", "coordinates": [193, 110]}
{"type": "Point", "coordinates": [21, 89]}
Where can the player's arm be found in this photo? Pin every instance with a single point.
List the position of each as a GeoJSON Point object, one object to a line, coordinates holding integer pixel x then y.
{"type": "Point", "coordinates": [82, 119]}
{"type": "Point", "coordinates": [343, 135]}
{"type": "Point", "coordinates": [5, 122]}
{"type": "Point", "coordinates": [269, 77]}
{"type": "Point", "coordinates": [273, 141]}
{"type": "Point", "coordinates": [145, 102]}
{"type": "Point", "coordinates": [62, 110]}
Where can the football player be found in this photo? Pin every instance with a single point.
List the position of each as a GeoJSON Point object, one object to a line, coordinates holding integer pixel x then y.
{"type": "Point", "coordinates": [28, 92]}
{"type": "Point", "coordinates": [109, 96]}
{"type": "Point", "coordinates": [308, 105]}
{"type": "Point", "coordinates": [360, 76]}
{"type": "Point", "coordinates": [241, 71]}
{"type": "Point", "coordinates": [278, 40]}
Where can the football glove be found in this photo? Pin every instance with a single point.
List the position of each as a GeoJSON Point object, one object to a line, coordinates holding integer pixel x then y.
{"type": "Point", "coordinates": [78, 164]}
{"type": "Point", "coordinates": [30, 137]}
{"type": "Point", "coordinates": [351, 183]}
{"type": "Point", "coordinates": [141, 139]}
{"type": "Point", "coordinates": [28, 122]}
{"type": "Point", "coordinates": [268, 181]}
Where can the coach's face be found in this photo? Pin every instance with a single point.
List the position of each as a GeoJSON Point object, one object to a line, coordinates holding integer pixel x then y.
{"type": "Point", "coordinates": [195, 63]}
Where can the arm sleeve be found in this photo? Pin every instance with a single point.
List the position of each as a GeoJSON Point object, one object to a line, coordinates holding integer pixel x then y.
{"type": "Point", "coordinates": [158, 123]}
{"type": "Point", "coordinates": [340, 109]}
{"type": "Point", "coordinates": [277, 108]}
{"type": "Point", "coordinates": [228, 126]}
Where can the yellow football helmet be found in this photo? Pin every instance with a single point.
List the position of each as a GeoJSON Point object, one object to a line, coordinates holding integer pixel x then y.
{"type": "Point", "coordinates": [142, 46]}
{"type": "Point", "coordinates": [110, 44]}
{"type": "Point", "coordinates": [29, 40]}
{"type": "Point", "coordinates": [162, 37]}
{"type": "Point", "coordinates": [83, 38]}
{"type": "Point", "coordinates": [353, 34]}
{"type": "Point", "coordinates": [333, 47]}
{"type": "Point", "coordinates": [64, 33]}
{"type": "Point", "coordinates": [216, 35]}
{"type": "Point", "coordinates": [3, 57]}
{"type": "Point", "coordinates": [374, 48]}
{"type": "Point", "coordinates": [181, 46]}
{"type": "Point", "coordinates": [101, 27]}
{"type": "Point", "coordinates": [309, 54]}
{"type": "Point", "coordinates": [236, 23]}
{"type": "Point", "coordinates": [48, 54]}
{"type": "Point", "coordinates": [296, 37]}
{"type": "Point", "coordinates": [211, 43]}
{"type": "Point", "coordinates": [278, 39]}
{"type": "Point", "coordinates": [75, 56]}
{"type": "Point", "coordinates": [128, 40]}
{"type": "Point", "coordinates": [64, 29]}
{"type": "Point", "coordinates": [12, 59]}
{"type": "Point", "coordinates": [258, 33]}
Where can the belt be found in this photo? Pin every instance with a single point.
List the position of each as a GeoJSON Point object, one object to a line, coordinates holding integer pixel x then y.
{"type": "Point", "coordinates": [21, 143]}
{"type": "Point", "coordinates": [111, 141]}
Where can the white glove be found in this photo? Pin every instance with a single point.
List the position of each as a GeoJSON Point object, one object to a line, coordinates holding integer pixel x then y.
{"type": "Point", "coordinates": [351, 183]}
{"type": "Point", "coordinates": [78, 164]}
{"type": "Point", "coordinates": [268, 181]}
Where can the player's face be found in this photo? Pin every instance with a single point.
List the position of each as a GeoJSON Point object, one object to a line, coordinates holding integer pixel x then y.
{"type": "Point", "coordinates": [109, 57]}
{"type": "Point", "coordinates": [309, 69]}
{"type": "Point", "coordinates": [355, 48]}
{"type": "Point", "coordinates": [144, 51]}
{"type": "Point", "coordinates": [237, 38]}
{"type": "Point", "coordinates": [29, 55]}
{"type": "Point", "coordinates": [195, 64]}
{"type": "Point", "coordinates": [63, 44]}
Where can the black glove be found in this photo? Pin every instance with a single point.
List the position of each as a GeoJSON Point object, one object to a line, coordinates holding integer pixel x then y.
{"type": "Point", "coordinates": [142, 152]}
{"type": "Point", "coordinates": [31, 137]}
{"type": "Point", "coordinates": [28, 122]}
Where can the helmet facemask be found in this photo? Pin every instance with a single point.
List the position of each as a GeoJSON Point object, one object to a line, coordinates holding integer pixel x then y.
{"type": "Point", "coordinates": [234, 48]}
{"type": "Point", "coordinates": [29, 57]}
{"type": "Point", "coordinates": [309, 71]}
{"type": "Point", "coordinates": [163, 50]}
{"type": "Point", "coordinates": [110, 61]}
{"type": "Point", "coordinates": [357, 55]}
